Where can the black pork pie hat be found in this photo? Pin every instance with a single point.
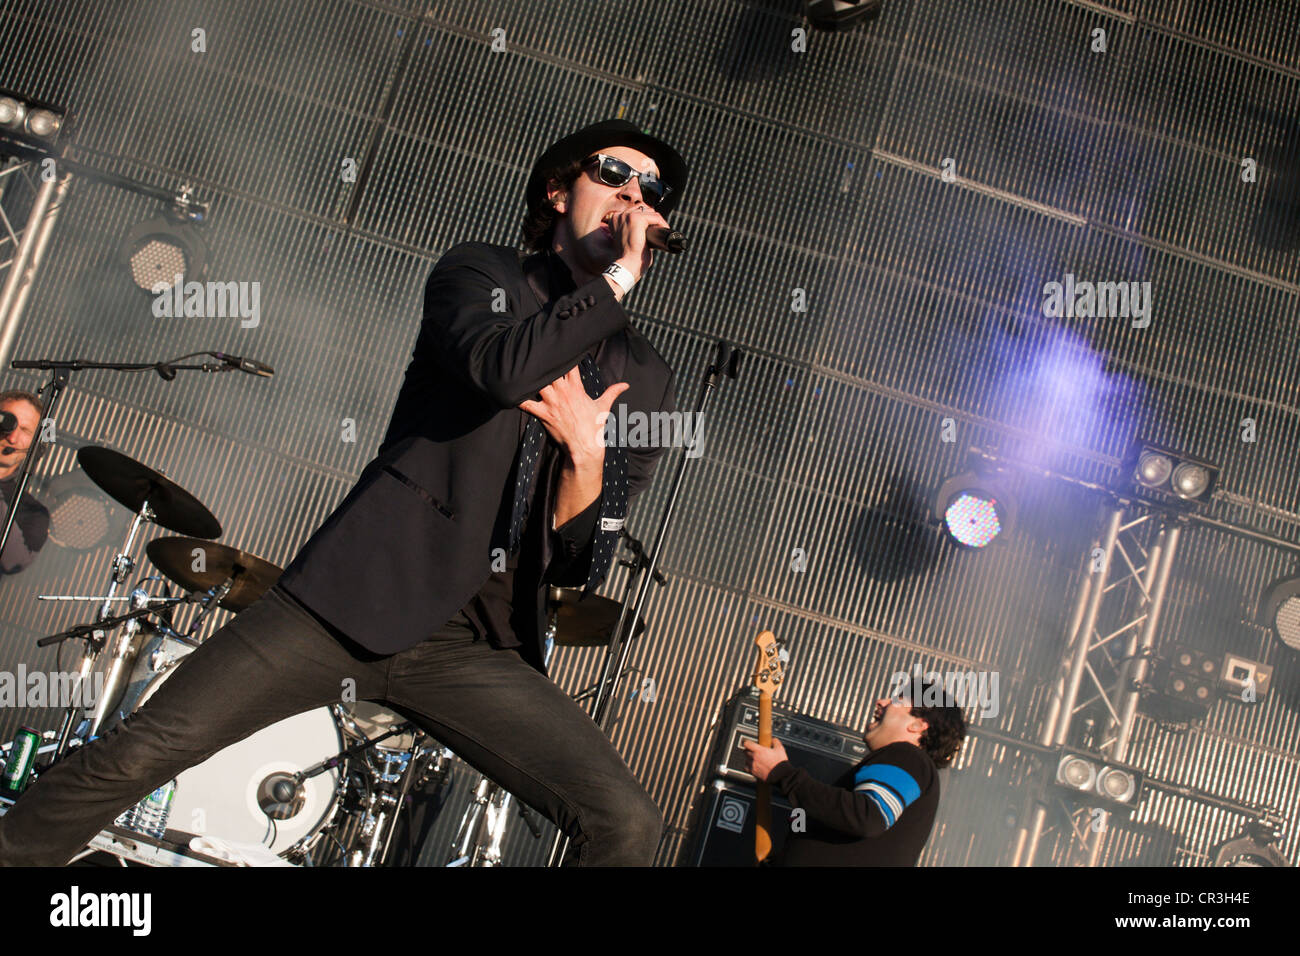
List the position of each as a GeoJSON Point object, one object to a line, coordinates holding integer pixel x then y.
{"type": "Point", "coordinates": [615, 132]}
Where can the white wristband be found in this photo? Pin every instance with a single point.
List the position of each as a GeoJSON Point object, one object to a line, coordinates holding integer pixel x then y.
{"type": "Point", "coordinates": [622, 276]}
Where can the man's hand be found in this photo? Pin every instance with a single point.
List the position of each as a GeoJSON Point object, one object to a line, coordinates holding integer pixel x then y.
{"type": "Point", "coordinates": [574, 420]}
{"type": "Point", "coordinates": [629, 229]}
{"type": "Point", "coordinates": [760, 761]}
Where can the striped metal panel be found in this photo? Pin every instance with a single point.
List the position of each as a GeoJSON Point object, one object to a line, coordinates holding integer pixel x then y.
{"type": "Point", "coordinates": [882, 308]}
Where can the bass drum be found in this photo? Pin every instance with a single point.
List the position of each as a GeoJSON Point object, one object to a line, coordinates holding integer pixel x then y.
{"type": "Point", "coordinates": [231, 794]}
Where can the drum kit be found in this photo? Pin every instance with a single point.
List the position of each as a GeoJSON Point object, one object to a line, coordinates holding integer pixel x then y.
{"type": "Point", "coordinates": [326, 787]}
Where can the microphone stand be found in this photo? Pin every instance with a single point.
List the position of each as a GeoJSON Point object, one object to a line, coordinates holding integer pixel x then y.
{"type": "Point", "coordinates": [726, 363]}
{"type": "Point", "coordinates": [58, 382]}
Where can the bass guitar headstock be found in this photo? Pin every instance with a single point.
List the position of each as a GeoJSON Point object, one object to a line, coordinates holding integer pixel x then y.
{"type": "Point", "coordinates": [771, 663]}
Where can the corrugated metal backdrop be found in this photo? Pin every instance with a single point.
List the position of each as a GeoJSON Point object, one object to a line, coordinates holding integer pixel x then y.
{"type": "Point", "coordinates": [818, 171]}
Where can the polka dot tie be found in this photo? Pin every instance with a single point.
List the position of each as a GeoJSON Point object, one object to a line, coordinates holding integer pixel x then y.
{"type": "Point", "coordinates": [613, 491]}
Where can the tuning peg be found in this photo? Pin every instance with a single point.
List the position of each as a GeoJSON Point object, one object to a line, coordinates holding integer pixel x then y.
{"type": "Point", "coordinates": [784, 655]}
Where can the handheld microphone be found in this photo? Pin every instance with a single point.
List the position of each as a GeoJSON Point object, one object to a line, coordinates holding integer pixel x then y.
{"type": "Point", "coordinates": [252, 366]}
{"type": "Point", "coordinates": [661, 237]}
{"type": "Point", "coordinates": [8, 422]}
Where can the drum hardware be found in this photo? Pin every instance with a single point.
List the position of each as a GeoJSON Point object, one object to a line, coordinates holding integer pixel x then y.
{"type": "Point", "coordinates": [374, 790]}
{"type": "Point", "coordinates": [386, 796]}
{"type": "Point", "coordinates": [385, 786]}
{"type": "Point", "coordinates": [124, 650]}
{"type": "Point", "coordinates": [235, 578]}
{"type": "Point", "coordinates": [378, 812]}
{"type": "Point", "coordinates": [151, 497]}
{"type": "Point", "coordinates": [148, 494]}
{"type": "Point", "coordinates": [583, 622]}
{"type": "Point", "coordinates": [147, 648]}
{"type": "Point", "coordinates": [483, 826]}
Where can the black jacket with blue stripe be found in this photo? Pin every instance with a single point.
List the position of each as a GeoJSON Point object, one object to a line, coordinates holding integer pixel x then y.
{"type": "Point", "coordinates": [879, 813]}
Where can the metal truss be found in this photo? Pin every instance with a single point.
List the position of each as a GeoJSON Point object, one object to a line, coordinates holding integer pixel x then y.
{"type": "Point", "coordinates": [1119, 603]}
{"type": "Point", "coordinates": [32, 193]}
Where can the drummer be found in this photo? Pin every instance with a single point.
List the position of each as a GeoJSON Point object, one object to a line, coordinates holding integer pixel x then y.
{"type": "Point", "coordinates": [32, 525]}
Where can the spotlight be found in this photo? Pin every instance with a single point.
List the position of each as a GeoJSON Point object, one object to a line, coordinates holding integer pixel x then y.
{"type": "Point", "coordinates": [975, 508]}
{"type": "Point", "coordinates": [1185, 682]}
{"type": "Point", "coordinates": [1098, 781]}
{"type": "Point", "coordinates": [43, 124]}
{"type": "Point", "coordinates": [81, 515]}
{"type": "Point", "coordinates": [167, 246]}
{"type": "Point", "coordinates": [1280, 610]}
{"type": "Point", "coordinates": [1076, 773]}
{"type": "Point", "coordinates": [12, 112]}
{"type": "Point", "coordinates": [30, 122]}
{"type": "Point", "coordinates": [1117, 784]}
{"type": "Point", "coordinates": [1190, 480]}
{"type": "Point", "coordinates": [1169, 479]}
{"type": "Point", "coordinates": [833, 14]}
{"type": "Point", "coordinates": [1154, 469]}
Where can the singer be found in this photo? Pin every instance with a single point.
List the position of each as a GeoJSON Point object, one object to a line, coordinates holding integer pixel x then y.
{"type": "Point", "coordinates": [32, 525]}
{"type": "Point", "coordinates": [426, 586]}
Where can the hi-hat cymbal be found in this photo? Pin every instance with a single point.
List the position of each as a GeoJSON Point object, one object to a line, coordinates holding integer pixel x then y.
{"type": "Point", "coordinates": [585, 623]}
{"type": "Point", "coordinates": [132, 484]}
{"type": "Point", "coordinates": [175, 558]}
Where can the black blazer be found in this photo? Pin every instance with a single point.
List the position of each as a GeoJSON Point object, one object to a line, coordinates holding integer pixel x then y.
{"type": "Point", "coordinates": [413, 540]}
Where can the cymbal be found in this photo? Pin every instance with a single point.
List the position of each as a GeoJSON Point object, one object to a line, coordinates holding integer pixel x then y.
{"type": "Point", "coordinates": [132, 484]}
{"type": "Point", "coordinates": [584, 623]}
{"type": "Point", "coordinates": [174, 557]}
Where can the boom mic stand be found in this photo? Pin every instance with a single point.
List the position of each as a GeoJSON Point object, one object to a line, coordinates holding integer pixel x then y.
{"type": "Point", "coordinates": [726, 363]}
{"type": "Point", "coordinates": [59, 381]}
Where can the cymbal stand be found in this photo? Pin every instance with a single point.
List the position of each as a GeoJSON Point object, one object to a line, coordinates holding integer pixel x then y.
{"type": "Point", "coordinates": [123, 565]}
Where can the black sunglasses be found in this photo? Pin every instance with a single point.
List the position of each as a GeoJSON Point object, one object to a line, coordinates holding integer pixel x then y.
{"type": "Point", "coordinates": [612, 171]}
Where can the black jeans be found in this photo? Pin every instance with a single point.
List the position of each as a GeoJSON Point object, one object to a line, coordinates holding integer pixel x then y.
{"type": "Point", "coordinates": [275, 659]}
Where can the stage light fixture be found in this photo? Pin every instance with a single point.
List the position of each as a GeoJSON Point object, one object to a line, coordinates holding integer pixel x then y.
{"type": "Point", "coordinates": [167, 246]}
{"type": "Point", "coordinates": [1154, 469]}
{"type": "Point", "coordinates": [1190, 480]}
{"type": "Point", "coordinates": [834, 14]}
{"type": "Point", "coordinates": [1169, 479]}
{"type": "Point", "coordinates": [30, 122]}
{"type": "Point", "coordinates": [12, 112]}
{"type": "Point", "coordinates": [974, 508]}
{"type": "Point", "coordinates": [1098, 781]}
{"type": "Point", "coordinates": [81, 515]}
{"type": "Point", "coordinates": [1184, 684]}
{"type": "Point", "coordinates": [1076, 773]}
{"type": "Point", "coordinates": [1280, 610]}
{"type": "Point", "coordinates": [1244, 679]}
{"type": "Point", "coordinates": [43, 124]}
{"type": "Point", "coordinates": [1117, 784]}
